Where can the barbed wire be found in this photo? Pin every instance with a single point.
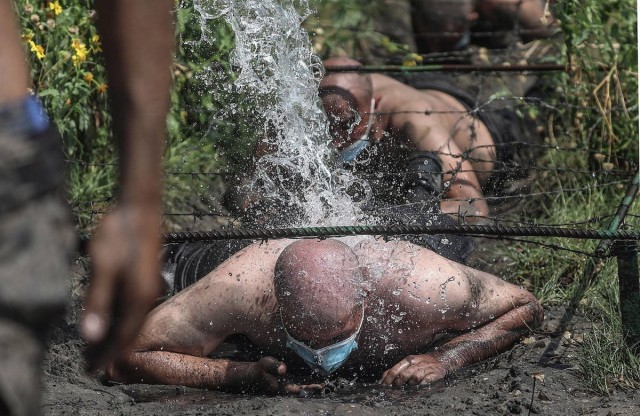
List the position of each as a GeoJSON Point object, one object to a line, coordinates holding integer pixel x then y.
{"type": "Point", "coordinates": [449, 34]}
{"type": "Point", "coordinates": [397, 230]}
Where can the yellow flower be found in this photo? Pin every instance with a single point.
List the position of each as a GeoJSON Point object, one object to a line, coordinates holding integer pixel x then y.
{"type": "Point", "coordinates": [80, 52]}
{"type": "Point", "coordinates": [97, 45]}
{"type": "Point", "coordinates": [411, 59]}
{"type": "Point", "coordinates": [68, 102]}
{"type": "Point", "coordinates": [27, 36]}
{"type": "Point", "coordinates": [37, 49]}
{"type": "Point", "coordinates": [55, 7]}
{"type": "Point", "coordinates": [102, 88]}
{"type": "Point", "coordinates": [88, 77]}
{"type": "Point", "coordinates": [79, 47]}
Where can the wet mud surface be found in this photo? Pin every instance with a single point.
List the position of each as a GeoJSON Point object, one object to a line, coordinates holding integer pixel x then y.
{"type": "Point", "coordinates": [537, 376]}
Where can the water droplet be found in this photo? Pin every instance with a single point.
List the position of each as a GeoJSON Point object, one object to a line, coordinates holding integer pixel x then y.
{"type": "Point", "coordinates": [396, 318]}
{"type": "Point", "coordinates": [389, 347]}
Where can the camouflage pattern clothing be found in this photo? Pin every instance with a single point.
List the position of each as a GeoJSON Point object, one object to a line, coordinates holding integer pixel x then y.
{"type": "Point", "coordinates": [36, 243]}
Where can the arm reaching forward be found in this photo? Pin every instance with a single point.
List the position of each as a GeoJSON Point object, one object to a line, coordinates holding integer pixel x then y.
{"type": "Point", "coordinates": [471, 347]}
{"type": "Point", "coordinates": [492, 316]}
{"type": "Point", "coordinates": [163, 367]}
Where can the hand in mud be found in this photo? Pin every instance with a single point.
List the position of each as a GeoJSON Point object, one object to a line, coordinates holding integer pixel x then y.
{"type": "Point", "coordinates": [414, 370]}
{"type": "Point", "coordinates": [271, 376]}
{"type": "Point", "coordinates": [125, 281]}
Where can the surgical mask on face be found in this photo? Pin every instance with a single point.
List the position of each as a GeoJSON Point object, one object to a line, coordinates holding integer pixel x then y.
{"type": "Point", "coordinates": [351, 152]}
{"type": "Point", "coordinates": [327, 359]}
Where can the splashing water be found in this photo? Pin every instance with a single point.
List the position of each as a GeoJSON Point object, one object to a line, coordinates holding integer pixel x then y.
{"type": "Point", "coordinates": [281, 73]}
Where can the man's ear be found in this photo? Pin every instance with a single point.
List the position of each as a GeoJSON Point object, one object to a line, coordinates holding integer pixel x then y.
{"type": "Point", "coordinates": [472, 17]}
{"type": "Point", "coordinates": [377, 128]}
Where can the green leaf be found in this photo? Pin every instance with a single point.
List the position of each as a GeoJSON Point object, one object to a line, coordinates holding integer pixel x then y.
{"type": "Point", "coordinates": [50, 92]}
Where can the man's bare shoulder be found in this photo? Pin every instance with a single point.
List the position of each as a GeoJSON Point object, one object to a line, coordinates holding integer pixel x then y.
{"type": "Point", "coordinates": [391, 90]}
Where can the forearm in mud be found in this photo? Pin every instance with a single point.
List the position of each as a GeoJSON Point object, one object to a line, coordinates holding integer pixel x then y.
{"type": "Point", "coordinates": [163, 367]}
{"type": "Point", "coordinates": [490, 339]}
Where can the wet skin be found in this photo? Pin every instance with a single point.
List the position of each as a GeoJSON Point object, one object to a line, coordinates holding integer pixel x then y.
{"type": "Point", "coordinates": [425, 120]}
{"type": "Point", "coordinates": [412, 295]}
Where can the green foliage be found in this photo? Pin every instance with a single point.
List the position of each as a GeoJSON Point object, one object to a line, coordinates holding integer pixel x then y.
{"type": "Point", "coordinates": [598, 111]}
{"type": "Point", "coordinates": [605, 362]}
{"type": "Point", "coordinates": [602, 90]}
{"type": "Point", "coordinates": [347, 27]}
{"type": "Point", "coordinates": [69, 76]}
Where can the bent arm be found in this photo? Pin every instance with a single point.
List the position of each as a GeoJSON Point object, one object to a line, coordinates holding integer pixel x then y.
{"type": "Point", "coordinates": [163, 367]}
{"type": "Point", "coordinates": [472, 347]}
{"type": "Point", "coordinates": [492, 338]}
{"type": "Point", "coordinates": [490, 314]}
{"type": "Point", "coordinates": [462, 189]}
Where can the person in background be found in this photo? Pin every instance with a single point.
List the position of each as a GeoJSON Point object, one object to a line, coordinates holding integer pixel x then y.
{"type": "Point", "coordinates": [427, 151]}
{"type": "Point", "coordinates": [36, 232]}
{"type": "Point", "coordinates": [440, 26]}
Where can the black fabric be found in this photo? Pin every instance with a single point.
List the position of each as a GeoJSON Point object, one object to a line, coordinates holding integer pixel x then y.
{"type": "Point", "coordinates": [30, 167]}
{"type": "Point", "coordinates": [424, 177]}
{"type": "Point", "coordinates": [190, 262]}
{"type": "Point", "coordinates": [453, 247]}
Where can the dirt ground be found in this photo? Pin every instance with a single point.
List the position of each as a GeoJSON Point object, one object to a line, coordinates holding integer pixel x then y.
{"type": "Point", "coordinates": [537, 376]}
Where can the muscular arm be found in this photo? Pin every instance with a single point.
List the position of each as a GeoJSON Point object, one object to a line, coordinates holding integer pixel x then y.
{"type": "Point", "coordinates": [163, 367]}
{"type": "Point", "coordinates": [179, 334]}
{"type": "Point", "coordinates": [471, 347]}
{"type": "Point", "coordinates": [173, 347]}
{"type": "Point", "coordinates": [493, 337]}
{"type": "Point", "coordinates": [138, 46]}
{"type": "Point", "coordinates": [491, 313]}
{"type": "Point", "coordinates": [463, 194]}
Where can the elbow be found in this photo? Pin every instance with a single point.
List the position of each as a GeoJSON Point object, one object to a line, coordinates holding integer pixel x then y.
{"type": "Point", "coordinates": [534, 311]}
{"type": "Point", "coordinates": [121, 370]}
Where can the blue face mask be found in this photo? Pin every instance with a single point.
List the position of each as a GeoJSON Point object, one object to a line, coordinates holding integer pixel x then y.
{"type": "Point", "coordinates": [351, 152]}
{"type": "Point", "coordinates": [327, 359]}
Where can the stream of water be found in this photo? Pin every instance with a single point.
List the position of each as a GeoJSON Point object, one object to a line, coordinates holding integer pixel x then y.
{"type": "Point", "coordinates": [280, 71]}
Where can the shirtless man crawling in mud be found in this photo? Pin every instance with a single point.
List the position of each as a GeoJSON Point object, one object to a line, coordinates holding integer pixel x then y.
{"type": "Point", "coordinates": [393, 310]}
{"type": "Point", "coordinates": [440, 144]}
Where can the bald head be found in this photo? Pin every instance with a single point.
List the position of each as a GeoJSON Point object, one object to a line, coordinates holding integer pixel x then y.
{"type": "Point", "coordinates": [358, 84]}
{"type": "Point", "coordinates": [319, 288]}
{"type": "Point", "coordinates": [346, 98]}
